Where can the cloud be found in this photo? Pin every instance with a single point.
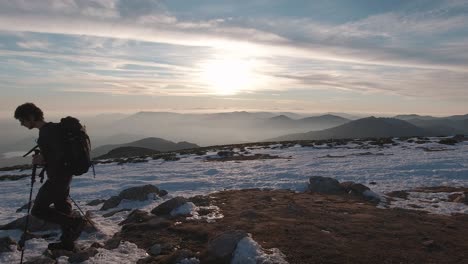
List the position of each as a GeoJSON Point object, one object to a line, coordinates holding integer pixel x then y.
{"type": "Point", "coordinates": [400, 53]}
{"type": "Point", "coordinates": [33, 45]}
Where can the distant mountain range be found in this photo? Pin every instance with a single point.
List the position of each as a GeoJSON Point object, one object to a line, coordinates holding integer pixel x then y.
{"type": "Point", "coordinates": [111, 131]}
{"type": "Point", "coordinates": [450, 125]}
{"type": "Point", "coordinates": [152, 143]}
{"type": "Point", "coordinates": [317, 122]}
{"type": "Point", "coordinates": [363, 128]}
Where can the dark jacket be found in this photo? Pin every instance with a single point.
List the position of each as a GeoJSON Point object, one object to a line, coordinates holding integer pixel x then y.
{"type": "Point", "coordinates": [51, 147]}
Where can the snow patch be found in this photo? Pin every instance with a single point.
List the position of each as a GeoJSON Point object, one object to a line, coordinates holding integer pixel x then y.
{"type": "Point", "coordinates": [250, 252]}
{"type": "Point", "coordinates": [126, 251]}
{"type": "Point", "coordinates": [434, 203]}
{"type": "Point", "coordinates": [185, 209]}
{"type": "Point", "coordinates": [215, 214]}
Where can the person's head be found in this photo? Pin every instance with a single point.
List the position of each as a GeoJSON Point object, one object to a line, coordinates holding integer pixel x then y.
{"type": "Point", "coordinates": [29, 115]}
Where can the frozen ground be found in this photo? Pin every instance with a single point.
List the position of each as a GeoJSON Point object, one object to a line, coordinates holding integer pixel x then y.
{"type": "Point", "coordinates": [383, 169]}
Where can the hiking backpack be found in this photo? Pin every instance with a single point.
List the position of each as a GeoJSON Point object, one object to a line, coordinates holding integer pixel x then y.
{"type": "Point", "coordinates": [76, 146]}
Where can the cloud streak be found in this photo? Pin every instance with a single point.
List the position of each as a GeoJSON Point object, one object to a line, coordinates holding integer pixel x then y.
{"type": "Point", "coordinates": [409, 53]}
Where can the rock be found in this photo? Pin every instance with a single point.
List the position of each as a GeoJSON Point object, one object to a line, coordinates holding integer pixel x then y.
{"type": "Point", "coordinates": [459, 198]}
{"type": "Point", "coordinates": [112, 202]}
{"type": "Point", "coordinates": [325, 185]}
{"type": "Point", "coordinates": [13, 177]}
{"type": "Point", "coordinates": [399, 194]}
{"type": "Point", "coordinates": [139, 193]}
{"type": "Point", "coordinates": [83, 255]}
{"type": "Point", "coordinates": [181, 255]}
{"type": "Point", "coordinates": [354, 188]}
{"type": "Point", "coordinates": [115, 212]}
{"type": "Point", "coordinates": [155, 250]}
{"type": "Point", "coordinates": [112, 243]}
{"type": "Point", "coordinates": [35, 224]}
{"type": "Point", "coordinates": [431, 245]}
{"type": "Point", "coordinates": [448, 141]}
{"type": "Point", "coordinates": [96, 202]}
{"type": "Point", "coordinates": [166, 207]}
{"type": "Point", "coordinates": [163, 193]}
{"type": "Point", "coordinates": [223, 245]}
{"type": "Point", "coordinates": [225, 153]}
{"type": "Point", "coordinates": [136, 216]}
{"type": "Point", "coordinates": [41, 260]}
{"type": "Point", "coordinates": [97, 245]}
{"type": "Point", "coordinates": [6, 243]}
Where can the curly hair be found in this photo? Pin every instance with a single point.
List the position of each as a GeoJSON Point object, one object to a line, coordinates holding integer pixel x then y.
{"type": "Point", "coordinates": [28, 110]}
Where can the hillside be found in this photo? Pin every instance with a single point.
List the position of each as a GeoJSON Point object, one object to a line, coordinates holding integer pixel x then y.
{"type": "Point", "coordinates": [125, 152]}
{"type": "Point", "coordinates": [370, 127]}
{"type": "Point", "coordinates": [152, 143]}
{"type": "Point", "coordinates": [263, 201]}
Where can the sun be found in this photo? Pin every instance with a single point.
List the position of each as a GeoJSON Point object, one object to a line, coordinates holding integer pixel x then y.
{"type": "Point", "coordinates": [227, 76]}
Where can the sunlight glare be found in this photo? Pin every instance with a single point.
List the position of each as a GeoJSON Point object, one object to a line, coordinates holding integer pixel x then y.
{"type": "Point", "coordinates": [228, 76]}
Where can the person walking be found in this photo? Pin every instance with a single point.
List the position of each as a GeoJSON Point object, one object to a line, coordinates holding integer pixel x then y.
{"type": "Point", "coordinates": [56, 189]}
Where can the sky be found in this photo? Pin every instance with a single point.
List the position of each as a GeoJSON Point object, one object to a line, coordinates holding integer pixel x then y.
{"type": "Point", "coordinates": [361, 56]}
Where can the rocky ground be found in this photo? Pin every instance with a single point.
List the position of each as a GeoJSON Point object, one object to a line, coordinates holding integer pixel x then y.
{"type": "Point", "coordinates": [308, 228]}
{"type": "Point", "coordinates": [343, 226]}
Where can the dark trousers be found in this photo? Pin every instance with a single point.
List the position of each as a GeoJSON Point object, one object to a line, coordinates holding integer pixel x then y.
{"type": "Point", "coordinates": [56, 193]}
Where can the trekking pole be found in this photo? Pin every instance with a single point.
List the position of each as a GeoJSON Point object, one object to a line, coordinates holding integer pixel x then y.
{"type": "Point", "coordinates": [22, 242]}
{"type": "Point", "coordinates": [83, 214]}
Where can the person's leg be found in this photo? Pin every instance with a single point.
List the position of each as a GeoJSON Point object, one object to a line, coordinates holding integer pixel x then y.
{"type": "Point", "coordinates": [42, 202]}
{"type": "Point", "coordinates": [57, 194]}
{"type": "Point", "coordinates": [73, 226]}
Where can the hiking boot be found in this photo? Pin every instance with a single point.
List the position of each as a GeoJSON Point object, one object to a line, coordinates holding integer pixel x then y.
{"type": "Point", "coordinates": [72, 231]}
{"type": "Point", "coordinates": [68, 246]}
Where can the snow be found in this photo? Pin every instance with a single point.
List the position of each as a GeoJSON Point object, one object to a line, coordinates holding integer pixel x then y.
{"type": "Point", "coordinates": [126, 253]}
{"type": "Point", "coordinates": [248, 251]}
{"type": "Point", "coordinates": [185, 209]}
{"type": "Point", "coordinates": [391, 168]}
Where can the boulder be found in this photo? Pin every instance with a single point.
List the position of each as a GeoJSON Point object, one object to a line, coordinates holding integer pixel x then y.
{"type": "Point", "coordinates": [166, 207]}
{"type": "Point", "coordinates": [225, 153]}
{"type": "Point", "coordinates": [360, 190]}
{"type": "Point", "coordinates": [354, 188]}
{"type": "Point", "coordinates": [155, 250]}
{"type": "Point", "coordinates": [35, 224]}
{"type": "Point", "coordinates": [325, 185]}
{"type": "Point", "coordinates": [6, 243]}
{"type": "Point", "coordinates": [139, 193]}
{"type": "Point", "coordinates": [223, 245]}
{"type": "Point", "coordinates": [459, 198]}
{"type": "Point", "coordinates": [112, 202]}
{"type": "Point", "coordinates": [83, 255]}
{"type": "Point", "coordinates": [136, 216]}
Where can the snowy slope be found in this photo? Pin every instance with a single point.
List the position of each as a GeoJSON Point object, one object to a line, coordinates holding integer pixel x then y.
{"type": "Point", "coordinates": [383, 169]}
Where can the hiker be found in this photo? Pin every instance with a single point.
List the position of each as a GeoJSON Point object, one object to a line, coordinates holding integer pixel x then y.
{"type": "Point", "coordinates": [56, 189]}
